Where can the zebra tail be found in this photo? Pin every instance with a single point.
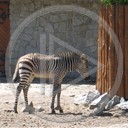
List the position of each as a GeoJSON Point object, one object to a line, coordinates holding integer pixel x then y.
{"type": "Point", "coordinates": [15, 75]}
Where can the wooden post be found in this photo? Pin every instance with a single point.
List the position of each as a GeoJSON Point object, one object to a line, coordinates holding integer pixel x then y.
{"type": "Point", "coordinates": [117, 18]}
{"type": "Point", "coordinates": [99, 55]}
{"type": "Point", "coordinates": [103, 50]}
{"type": "Point", "coordinates": [120, 24]}
{"type": "Point", "coordinates": [126, 52]}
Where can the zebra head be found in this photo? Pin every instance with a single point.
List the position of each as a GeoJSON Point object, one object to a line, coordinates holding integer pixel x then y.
{"type": "Point", "coordinates": [82, 66]}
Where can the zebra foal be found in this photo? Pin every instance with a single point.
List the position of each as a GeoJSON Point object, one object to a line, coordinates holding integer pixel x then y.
{"type": "Point", "coordinates": [54, 67]}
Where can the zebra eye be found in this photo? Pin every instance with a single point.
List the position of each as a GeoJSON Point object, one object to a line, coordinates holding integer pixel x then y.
{"type": "Point", "coordinates": [83, 58]}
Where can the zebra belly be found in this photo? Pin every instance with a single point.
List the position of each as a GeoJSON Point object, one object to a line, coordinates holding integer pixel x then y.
{"type": "Point", "coordinates": [44, 75]}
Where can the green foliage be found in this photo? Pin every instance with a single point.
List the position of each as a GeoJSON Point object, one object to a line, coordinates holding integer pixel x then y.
{"type": "Point", "coordinates": [115, 2]}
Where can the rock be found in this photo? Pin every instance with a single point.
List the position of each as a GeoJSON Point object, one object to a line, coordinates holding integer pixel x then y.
{"type": "Point", "coordinates": [62, 27]}
{"type": "Point", "coordinates": [79, 99]}
{"type": "Point", "coordinates": [86, 99]}
{"type": "Point", "coordinates": [49, 28]}
{"type": "Point", "coordinates": [54, 18]}
{"type": "Point", "coordinates": [123, 105]}
{"type": "Point", "coordinates": [42, 22]}
{"type": "Point", "coordinates": [72, 95]}
{"type": "Point", "coordinates": [115, 100]}
{"type": "Point", "coordinates": [25, 37]}
{"type": "Point", "coordinates": [39, 109]}
{"type": "Point", "coordinates": [91, 96]}
{"type": "Point", "coordinates": [29, 30]}
{"type": "Point", "coordinates": [101, 106]}
{"type": "Point", "coordinates": [29, 109]}
{"type": "Point", "coordinates": [6, 102]}
{"type": "Point", "coordinates": [97, 102]}
{"type": "Point", "coordinates": [122, 100]}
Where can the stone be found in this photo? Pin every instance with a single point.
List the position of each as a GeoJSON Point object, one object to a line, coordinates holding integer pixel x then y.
{"type": "Point", "coordinates": [56, 26]}
{"type": "Point", "coordinates": [25, 37]}
{"type": "Point", "coordinates": [89, 34]}
{"type": "Point", "coordinates": [115, 100]}
{"type": "Point", "coordinates": [32, 24]}
{"type": "Point", "coordinates": [93, 48]}
{"type": "Point", "coordinates": [30, 109]}
{"type": "Point", "coordinates": [42, 21]}
{"type": "Point", "coordinates": [122, 100]}
{"type": "Point", "coordinates": [62, 27]}
{"type": "Point", "coordinates": [41, 30]}
{"type": "Point", "coordinates": [54, 18]}
{"type": "Point", "coordinates": [95, 33]}
{"type": "Point", "coordinates": [86, 99]}
{"type": "Point", "coordinates": [23, 43]}
{"type": "Point", "coordinates": [91, 96]}
{"type": "Point", "coordinates": [6, 102]}
{"type": "Point", "coordinates": [101, 106]}
{"type": "Point", "coordinates": [100, 100]}
{"type": "Point", "coordinates": [14, 54]}
{"type": "Point", "coordinates": [29, 49]}
{"type": "Point", "coordinates": [64, 16]}
{"type": "Point", "coordinates": [30, 6]}
{"type": "Point", "coordinates": [93, 25]}
{"type": "Point", "coordinates": [123, 105]}
{"type": "Point", "coordinates": [77, 21]}
{"type": "Point", "coordinates": [90, 42]}
{"type": "Point", "coordinates": [24, 14]}
{"type": "Point", "coordinates": [28, 30]}
{"type": "Point", "coordinates": [33, 43]}
{"type": "Point", "coordinates": [49, 28]}
{"type": "Point", "coordinates": [39, 109]}
{"type": "Point", "coordinates": [79, 99]}
{"type": "Point", "coordinates": [20, 52]}
{"type": "Point", "coordinates": [20, 21]}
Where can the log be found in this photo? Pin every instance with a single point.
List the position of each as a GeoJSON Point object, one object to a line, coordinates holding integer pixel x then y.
{"type": "Point", "coordinates": [120, 24]}
{"type": "Point", "coordinates": [126, 53]}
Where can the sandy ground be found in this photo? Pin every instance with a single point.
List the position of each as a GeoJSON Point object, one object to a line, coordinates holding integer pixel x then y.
{"type": "Point", "coordinates": [71, 118]}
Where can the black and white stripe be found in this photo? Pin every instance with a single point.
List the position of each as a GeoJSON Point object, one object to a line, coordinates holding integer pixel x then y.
{"type": "Point", "coordinates": [54, 67]}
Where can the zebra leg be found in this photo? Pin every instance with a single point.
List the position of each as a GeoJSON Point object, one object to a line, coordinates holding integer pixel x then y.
{"type": "Point", "coordinates": [58, 100]}
{"type": "Point", "coordinates": [18, 91]}
{"type": "Point", "coordinates": [25, 91]}
{"type": "Point", "coordinates": [54, 92]}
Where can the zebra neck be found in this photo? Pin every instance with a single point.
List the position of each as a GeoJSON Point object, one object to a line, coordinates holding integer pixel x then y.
{"type": "Point", "coordinates": [71, 65]}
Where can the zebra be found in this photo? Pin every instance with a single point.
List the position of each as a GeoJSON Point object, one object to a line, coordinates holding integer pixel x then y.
{"type": "Point", "coordinates": [54, 67]}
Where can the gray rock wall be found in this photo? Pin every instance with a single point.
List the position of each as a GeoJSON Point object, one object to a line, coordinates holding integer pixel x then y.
{"type": "Point", "coordinates": [74, 29]}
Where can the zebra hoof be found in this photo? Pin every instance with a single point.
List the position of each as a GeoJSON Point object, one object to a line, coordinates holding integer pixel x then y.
{"type": "Point", "coordinates": [57, 108]}
{"type": "Point", "coordinates": [53, 112]}
{"type": "Point", "coordinates": [61, 111]}
{"type": "Point", "coordinates": [15, 110]}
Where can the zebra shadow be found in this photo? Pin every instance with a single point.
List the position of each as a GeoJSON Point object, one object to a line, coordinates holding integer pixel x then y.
{"type": "Point", "coordinates": [68, 113]}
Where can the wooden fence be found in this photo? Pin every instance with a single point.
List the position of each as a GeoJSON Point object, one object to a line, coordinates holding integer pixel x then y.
{"type": "Point", "coordinates": [116, 16]}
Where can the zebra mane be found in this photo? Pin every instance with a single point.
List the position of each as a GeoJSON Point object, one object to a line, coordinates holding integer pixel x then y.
{"type": "Point", "coordinates": [66, 54]}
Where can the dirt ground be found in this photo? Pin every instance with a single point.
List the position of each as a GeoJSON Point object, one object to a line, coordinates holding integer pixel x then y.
{"type": "Point", "coordinates": [73, 116]}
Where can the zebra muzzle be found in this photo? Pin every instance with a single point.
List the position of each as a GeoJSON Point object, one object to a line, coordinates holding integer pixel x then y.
{"type": "Point", "coordinates": [88, 77]}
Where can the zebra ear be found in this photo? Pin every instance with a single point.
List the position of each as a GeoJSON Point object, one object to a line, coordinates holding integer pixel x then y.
{"type": "Point", "coordinates": [83, 58]}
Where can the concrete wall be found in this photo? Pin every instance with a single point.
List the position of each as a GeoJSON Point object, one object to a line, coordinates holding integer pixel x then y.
{"type": "Point", "coordinates": [75, 29]}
